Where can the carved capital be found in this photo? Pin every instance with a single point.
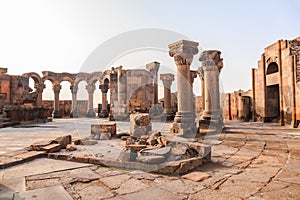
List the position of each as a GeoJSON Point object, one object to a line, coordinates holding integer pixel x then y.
{"type": "Point", "coordinates": [39, 87]}
{"type": "Point", "coordinates": [167, 79]}
{"type": "Point", "coordinates": [211, 60]}
{"type": "Point", "coordinates": [104, 88]}
{"type": "Point", "coordinates": [90, 88]}
{"type": "Point", "coordinates": [183, 51]}
{"type": "Point", "coordinates": [56, 88]}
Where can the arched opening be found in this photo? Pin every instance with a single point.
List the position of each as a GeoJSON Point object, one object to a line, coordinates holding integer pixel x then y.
{"type": "Point", "coordinates": [31, 84]}
{"type": "Point", "coordinates": [97, 99]}
{"type": "Point", "coordinates": [272, 68]}
{"type": "Point", "coordinates": [48, 96]}
{"type": "Point", "coordinates": [82, 98]}
{"type": "Point", "coordinates": [65, 99]}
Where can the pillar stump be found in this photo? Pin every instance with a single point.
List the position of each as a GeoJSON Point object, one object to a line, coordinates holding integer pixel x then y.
{"type": "Point", "coordinates": [104, 111]}
{"type": "Point", "coordinates": [184, 121]}
{"type": "Point", "coordinates": [167, 80]}
{"type": "Point", "coordinates": [56, 112]}
{"type": "Point", "coordinates": [212, 64]}
{"type": "Point", "coordinates": [74, 111]}
{"type": "Point", "coordinates": [91, 112]}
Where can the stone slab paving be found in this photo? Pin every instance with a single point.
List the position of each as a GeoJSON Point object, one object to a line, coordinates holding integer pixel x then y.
{"type": "Point", "coordinates": [252, 161]}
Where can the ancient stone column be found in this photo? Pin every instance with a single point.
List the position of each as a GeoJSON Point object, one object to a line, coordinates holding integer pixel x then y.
{"type": "Point", "coordinates": [211, 65]}
{"type": "Point", "coordinates": [39, 88]}
{"type": "Point", "coordinates": [104, 111]}
{"type": "Point", "coordinates": [183, 52]}
{"type": "Point", "coordinates": [90, 88]}
{"type": "Point", "coordinates": [113, 92]}
{"type": "Point", "coordinates": [153, 67]}
{"type": "Point", "coordinates": [120, 110]}
{"type": "Point", "coordinates": [167, 80]}
{"type": "Point", "coordinates": [74, 111]}
{"type": "Point", "coordinates": [56, 112]}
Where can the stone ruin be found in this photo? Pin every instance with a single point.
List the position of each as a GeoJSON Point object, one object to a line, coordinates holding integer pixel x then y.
{"type": "Point", "coordinates": [134, 97]}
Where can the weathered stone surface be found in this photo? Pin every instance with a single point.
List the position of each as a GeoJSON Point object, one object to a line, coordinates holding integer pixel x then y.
{"type": "Point", "coordinates": [151, 159]}
{"type": "Point", "coordinates": [105, 136]}
{"type": "Point", "coordinates": [156, 152]}
{"type": "Point", "coordinates": [140, 124]}
{"type": "Point", "coordinates": [51, 148]}
{"type": "Point", "coordinates": [196, 176]}
{"type": "Point", "coordinates": [38, 145]}
{"type": "Point", "coordinates": [49, 193]}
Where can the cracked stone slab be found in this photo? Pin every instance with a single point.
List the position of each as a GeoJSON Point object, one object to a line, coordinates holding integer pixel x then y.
{"type": "Point", "coordinates": [49, 193]}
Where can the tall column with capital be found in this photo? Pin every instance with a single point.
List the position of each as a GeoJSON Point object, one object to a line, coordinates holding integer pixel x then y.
{"type": "Point", "coordinates": [39, 88]}
{"type": "Point", "coordinates": [153, 67]}
{"type": "Point", "coordinates": [212, 64]}
{"type": "Point", "coordinates": [183, 52]}
{"type": "Point", "coordinates": [74, 111]}
{"type": "Point", "coordinates": [104, 111]}
{"type": "Point", "coordinates": [90, 88]}
{"type": "Point", "coordinates": [121, 109]}
{"type": "Point", "coordinates": [56, 112]}
{"type": "Point", "coordinates": [167, 80]}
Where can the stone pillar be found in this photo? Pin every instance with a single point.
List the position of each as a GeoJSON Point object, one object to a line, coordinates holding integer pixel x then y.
{"type": "Point", "coordinates": [39, 88]}
{"type": "Point", "coordinates": [183, 52]}
{"type": "Point", "coordinates": [153, 67]}
{"type": "Point", "coordinates": [167, 80]}
{"type": "Point", "coordinates": [104, 111]}
{"type": "Point", "coordinates": [121, 111]}
{"type": "Point", "coordinates": [56, 112]}
{"type": "Point", "coordinates": [212, 64]}
{"type": "Point", "coordinates": [74, 111]}
{"type": "Point", "coordinates": [90, 88]}
{"type": "Point", "coordinates": [113, 92]}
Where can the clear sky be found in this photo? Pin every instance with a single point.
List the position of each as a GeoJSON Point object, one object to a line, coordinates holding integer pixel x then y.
{"type": "Point", "coordinates": [59, 35]}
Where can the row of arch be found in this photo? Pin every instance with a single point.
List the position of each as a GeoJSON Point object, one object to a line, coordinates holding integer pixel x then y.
{"type": "Point", "coordinates": [74, 79]}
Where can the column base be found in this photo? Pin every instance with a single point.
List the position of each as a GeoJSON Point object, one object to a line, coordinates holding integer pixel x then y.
{"type": "Point", "coordinates": [56, 114]}
{"type": "Point", "coordinates": [103, 114]}
{"type": "Point", "coordinates": [90, 114]}
{"type": "Point", "coordinates": [167, 117]}
{"type": "Point", "coordinates": [211, 121]}
{"type": "Point", "coordinates": [184, 124]}
{"type": "Point", "coordinates": [74, 114]}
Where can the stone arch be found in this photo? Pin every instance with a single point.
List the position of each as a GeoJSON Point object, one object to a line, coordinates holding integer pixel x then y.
{"type": "Point", "coordinates": [35, 76]}
{"type": "Point", "coordinates": [105, 76]}
{"type": "Point", "coordinates": [66, 77]}
{"type": "Point", "coordinates": [51, 76]}
{"type": "Point", "coordinates": [94, 77]}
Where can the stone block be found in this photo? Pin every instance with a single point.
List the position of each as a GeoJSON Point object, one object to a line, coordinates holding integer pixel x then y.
{"type": "Point", "coordinates": [70, 147]}
{"type": "Point", "coordinates": [140, 124]}
{"type": "Point", "coordinates": [156, 152]}
{"type": "Point", "coordinates": [39, 145]}
{"type": "Point", "coordinates": [105, 136]}
{"type": "Point", "coordinates": [103, 131]}
{"type": "Point", "coordinates": [63, 140]}
{"type": "Point", "coordinates": [196, 176]}
{"type": "Point", "coordinates": [51, 148]}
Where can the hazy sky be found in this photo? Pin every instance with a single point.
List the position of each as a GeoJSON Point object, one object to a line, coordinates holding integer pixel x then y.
{"type": "Point", "coordinates": [59, 35]}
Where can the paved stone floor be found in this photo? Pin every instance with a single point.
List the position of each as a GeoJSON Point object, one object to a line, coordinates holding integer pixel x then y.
{"type": "Point", "coordinates": [249, 161]}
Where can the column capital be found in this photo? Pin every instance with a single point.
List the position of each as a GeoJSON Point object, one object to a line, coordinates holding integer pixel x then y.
{"type": "Point", "coordinates": [74, 89]}
{"type": "Point", "coordinates": [39, 87]}
{"type": "Point", "coordinates": [90, 88]}
{"type": "Point", "coordinates": [104, 88]}
{"type": "Point", "coordinates": [167, 79]}
{"type": "Point", "coordinates": [56, 88]}
{"type": "Point", "coordinates": [153, 67]}
{"type": "Point", "coordinates": [211, 60]}
{"type": "Point", "coordinates": [183, 51]}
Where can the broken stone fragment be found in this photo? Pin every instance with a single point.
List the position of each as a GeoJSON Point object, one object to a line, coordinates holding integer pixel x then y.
{"type": "Point", "coordinates": [63, 140]}
{"type": "Point", "coordinates": [152, 140]}
{"type": "Point", "coordinates": [51, 148]}
{"type": "Point", "coordinates": [151, 159]}
{"type": "Point", "coordinates": [196, 176]}
{"type": "Point", "coordinates": [121, 134]}
{"type": "Point", "coordinates": [142, 119]}
{"type": "Point", "coordinates": [125, 137]}
{"type": "Point", "coordinates": [39, 145]}
{"type": "Point", "coordinates": [136, 147]}
{"type": "Point", "coordinates": [162, 141]}
{"type": "Point", "coordinates": [70, 147]}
